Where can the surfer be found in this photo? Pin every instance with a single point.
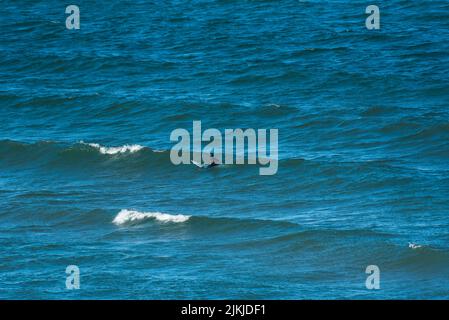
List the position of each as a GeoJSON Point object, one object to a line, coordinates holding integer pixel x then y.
{"type": "Point", "coordinates": [213, 161]}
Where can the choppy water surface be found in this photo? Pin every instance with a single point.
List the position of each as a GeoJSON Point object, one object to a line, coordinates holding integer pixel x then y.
{"type": "Point", "coordinates": [86, 178]}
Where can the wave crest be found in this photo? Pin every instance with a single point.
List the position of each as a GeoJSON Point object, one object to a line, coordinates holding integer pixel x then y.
{"type": "Point", "coordinates": [115, 150]}
{"type": "Point", "coordinates": [128, 216]}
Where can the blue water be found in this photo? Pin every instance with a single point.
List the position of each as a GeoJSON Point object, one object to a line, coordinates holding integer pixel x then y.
{"type": "Point", "coordinates": [363, 148]}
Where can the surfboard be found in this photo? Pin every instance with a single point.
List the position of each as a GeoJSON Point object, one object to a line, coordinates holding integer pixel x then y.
{"type": "Point", "coordinates": [199, 165]}
{"type": "Point", "coordinates": [204, 166]}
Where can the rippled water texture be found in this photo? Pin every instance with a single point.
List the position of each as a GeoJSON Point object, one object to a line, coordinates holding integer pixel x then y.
{"type": "Point", "coordinates": [85, 171]}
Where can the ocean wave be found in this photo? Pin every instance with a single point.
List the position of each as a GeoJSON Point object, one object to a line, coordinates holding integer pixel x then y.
{"type": "Point", "coordinates": [90, 157]}
{"type": "Point", "coordinates": [130, 216]}
{"type": "Point", "coordinates": [115, 150]}
{"type": "Point", "coordinates": [51, 155]}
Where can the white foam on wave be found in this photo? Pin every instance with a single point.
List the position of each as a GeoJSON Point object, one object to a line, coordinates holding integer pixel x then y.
{"type": "Point", "coordinates": [127, 216]}
{"type": "Point", "coordinates": [414, 245]}
{"type": "Point", "coordinates": [115, 150]}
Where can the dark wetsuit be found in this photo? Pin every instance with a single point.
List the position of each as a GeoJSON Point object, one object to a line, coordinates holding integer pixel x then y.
{"type": "Point", "coordinates": [213, 164]}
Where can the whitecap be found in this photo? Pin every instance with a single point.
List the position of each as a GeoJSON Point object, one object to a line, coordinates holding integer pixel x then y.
{"type": "Point", "coordinates": [115, 150]}
{"type": "Point", "coordinates": [127, 216]}
{"type": "Point", "coordinates": [414, 245]}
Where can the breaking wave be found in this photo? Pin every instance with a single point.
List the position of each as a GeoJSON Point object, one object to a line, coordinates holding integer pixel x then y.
{"type": "Point", "coordinates": [129, 216]}
{"type": "Point", "coordinates": [115, 150]}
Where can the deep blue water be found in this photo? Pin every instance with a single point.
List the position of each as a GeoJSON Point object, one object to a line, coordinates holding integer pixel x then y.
{"type": "Point", "coordinates": [363, 148]}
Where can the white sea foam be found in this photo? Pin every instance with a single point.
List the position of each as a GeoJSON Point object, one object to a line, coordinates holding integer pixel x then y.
{"type": "Point", "coordinates": [414, 245]}
{"type": "Point", "coordinates": [127, 216]}
{"type": "Point", "coordinates": [115, 150]}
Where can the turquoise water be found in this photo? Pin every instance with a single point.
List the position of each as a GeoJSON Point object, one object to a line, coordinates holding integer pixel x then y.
{"type": "Point", "coordinates": [363, 150]}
